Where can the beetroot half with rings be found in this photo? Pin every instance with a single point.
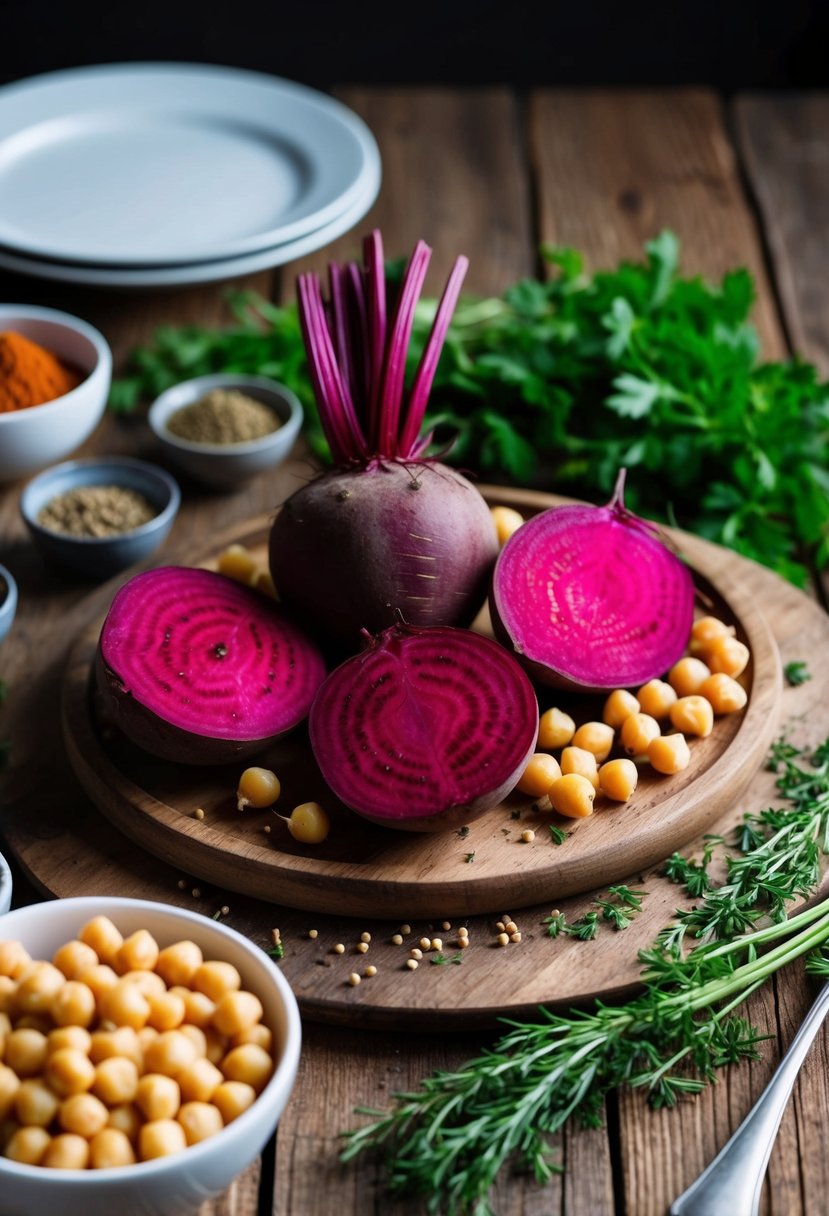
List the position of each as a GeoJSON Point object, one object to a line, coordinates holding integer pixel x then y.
{"type": "Point", "coordinates": [427, 729]}
{"type": "Point", "coordinates": [592, 598]}
{"type": "Point", "coordinates": [198, 669]}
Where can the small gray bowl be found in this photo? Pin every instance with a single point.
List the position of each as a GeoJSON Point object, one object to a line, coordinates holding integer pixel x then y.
{"type": "Point", "coordinates": [8, 601]}
{"type": "Point", "coordinates": [100, 557]}
{"type": "Point", "coordinates": [226, 465]}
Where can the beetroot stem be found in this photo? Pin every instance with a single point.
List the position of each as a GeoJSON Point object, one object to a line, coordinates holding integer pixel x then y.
{"type": "Point", "coordinates": [419, 395]}
{"type": "Point", "coordinates": [337, 416]}
{"type": "Point", "coordinates": [343, 344]}
{"type": "Point", "coordinates": [391, 394]}
{"type": "Point", "coordinates": [375, 276]}
{"type": "Point", "coordinates": [360, 351]}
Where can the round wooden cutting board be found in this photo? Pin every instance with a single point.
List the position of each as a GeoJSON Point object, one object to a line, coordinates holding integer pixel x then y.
{"type": "Point", "coordinates": [363, 870]}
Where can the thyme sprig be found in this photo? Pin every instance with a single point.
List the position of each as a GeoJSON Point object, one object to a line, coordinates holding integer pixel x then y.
{"type": "Point", "coordinates": [448, 1140]}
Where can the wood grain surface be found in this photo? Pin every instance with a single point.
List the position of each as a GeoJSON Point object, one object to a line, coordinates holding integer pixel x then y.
{"type": "Point", "coordinates": [604, 171]}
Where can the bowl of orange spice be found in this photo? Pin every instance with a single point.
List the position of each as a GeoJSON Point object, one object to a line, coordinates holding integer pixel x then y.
{"type": "Point", "coordinates": [55, 373]}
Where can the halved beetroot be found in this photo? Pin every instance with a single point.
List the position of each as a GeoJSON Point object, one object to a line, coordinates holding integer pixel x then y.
{"type": "Point", "coordinates": [199, 669]}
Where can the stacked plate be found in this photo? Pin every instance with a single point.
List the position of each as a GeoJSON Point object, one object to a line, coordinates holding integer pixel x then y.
{"type": "Point", "coordinates": [151, 175]}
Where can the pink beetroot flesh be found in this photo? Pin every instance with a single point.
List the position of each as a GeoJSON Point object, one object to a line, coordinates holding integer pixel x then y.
{"type": "Point", "coordinates": [426, 729]}
{"type": "Point", "coordinates": [351, 547]}
{"type": "Point", "coordinates": [591, 596]}
{"type": "Point", "coordinates": [190, 660]}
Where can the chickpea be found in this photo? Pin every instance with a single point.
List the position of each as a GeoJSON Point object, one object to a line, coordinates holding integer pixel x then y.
{"type": "Point", "coordinates": [34, 1021]}
{"type": "Point", "coordinates": [177, 964]}
{"type": "Point", "coordinates": [196, 1036]}
{"type": "Point", "coordinates": [13, 958]}
{"type": "Point", "coordinates": [69, 1072]}
{"type": "Point", "coordinates": [686, 676]}
{"type": "Point", "coordinates": [148, 982]}
{"type": "Point", "coordinates": [102, 936]}
{"type": "Point", "coordinates": [36, 992]}
{"type": "Point", "coordinates": [138, 952]}
{"type": "Point", "coordinates": [109, 1148]}
{"type": "Point", "coordinates": [248, 1063]}
{"type": "Point", "coordinates": [198, 1008]}
{"type": "Point", "coordinates": [507, 521]}
{"type": "Point", "coordinates": [9, 1086]}
{"type": "Point", "coordinates": [237, 1011]}
{"type": "Point", "coordinates": [100, 978]}
{"type": "Point", "coordinates": [167, 1010]}
{"type": "Point", "coordinates": [656, 698]}
{"type": "Point", "coordinates": [116, 1080]}
{"type": "Point", "coordinates": [26, 1051]}
{"type": "Point", "coordinates": [555, 729]}
{"type": "Point", "coordinates": [541, 771]}
{"type": "Point", "coordinates": [706, 628]}
{"type": "Point", "coordinates": [637, 732]}
{"type": "Point", "coordinates": [595, 737]}
{"type": "Point", "coordinates": [73, 1005]}
{"type": "Point", "coordinates": [238, 563]}
{"type": "Point", "coordinates": [146, 1035]}
{"type": "Point", "coordinates": [8, 994]}
{"type": "Point", "coordinates": [120, 1042]}
{"type": "Point", "coordinates": [693, 716]}
{"type": "Point", "coordinates": [232, 1099]}
{"type": "Point", "coordinates": [126, 1005]}
{"type": "Point", "coordinates": [158, 1096]}
{"type": "Point", "coordinates": [127, 1119]}
{"type": "Point", "coordinates": [169, 1053]}
{"type": "Point", "coordinates": [669, 754]}
{"type": "Point", "coordinates": [198, 1081]}
{"type": "Point", "coordinates": [27, 1145]}
{"type": "Point", "coordinates": [265, 584]}
{"type": "Point", "coordinates": [160, 1138]}
{"type": "Point", "coordinates": [35, 1104]}
{"type": "Point", "coordinates": [73, 958]}
{"type": "Point", "coordinates": [618, 706]}
{"type": "Point", "coordinates": [618, 779]}
{"type": "Point", "coordinates": [216, 1045]}
{"type": "Point", "coordinates": [74, 1037]}
{"type": "Point", "coordinates": [309, 823]}
{"type": "Point", "coordinates": [5, 1029]}
{"type": "Point", "coordinates": [728, 655]}
{"type": "Point", "coordinates": [724, 693]}
{"type": "Point", "coordinates": [572, 795]}
{"type": "Point", "coordinates": [83, 1114]}
{"type": "Point", "coordinates": [577, 760]}
{"type": "Point", "coordinates": [258, 787]}
{"type": "Point", "coordinates": [199, 1120]}
{"type": "Point", "coordinates": [216, 978]}
{"type": "Point", "coordinates": [66, 1152]}
{"type": "Point", "coordinates": [259, 1034]}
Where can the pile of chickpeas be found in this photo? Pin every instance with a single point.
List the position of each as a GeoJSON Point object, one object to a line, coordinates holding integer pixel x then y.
{"type": "Point", "coordinates": [118, 1051]}
{"type": "Point", "coordinates": [700, 687]}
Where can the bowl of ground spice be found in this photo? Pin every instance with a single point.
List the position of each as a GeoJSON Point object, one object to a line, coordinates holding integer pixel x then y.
{"type": "Point", "coordinates": [223, 429]}
{"type": "Point", "coordinates": [55, 373]}
{"type": "Point", "coordinates": [98, 516]}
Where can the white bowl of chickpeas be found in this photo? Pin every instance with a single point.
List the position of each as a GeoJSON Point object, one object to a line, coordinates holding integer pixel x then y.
{"type": "Point", "coordinates": [146, 1054]}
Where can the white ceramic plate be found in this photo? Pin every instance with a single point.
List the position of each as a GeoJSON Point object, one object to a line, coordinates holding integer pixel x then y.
{"type": "Point", "coordinates": [162, 164]}
{"type": "Point", "coordinates": [199, 272]}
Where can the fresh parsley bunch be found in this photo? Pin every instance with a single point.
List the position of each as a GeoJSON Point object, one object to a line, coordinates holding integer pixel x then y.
{"type": "Point", "coordinates": [561, 382]}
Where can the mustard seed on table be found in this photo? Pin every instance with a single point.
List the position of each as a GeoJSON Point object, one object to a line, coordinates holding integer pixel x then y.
{"type": "Point", "coordinates": [96, 511]}
{"type": "Point", "coordinates": [223, 416]}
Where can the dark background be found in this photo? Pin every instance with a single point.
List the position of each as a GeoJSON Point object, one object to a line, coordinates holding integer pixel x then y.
{"type": "Point", "coordinates": [726, 43]}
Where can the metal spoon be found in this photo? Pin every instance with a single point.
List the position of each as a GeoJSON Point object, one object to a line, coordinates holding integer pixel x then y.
{"type": "Point", "coordinates": [731, 1184]}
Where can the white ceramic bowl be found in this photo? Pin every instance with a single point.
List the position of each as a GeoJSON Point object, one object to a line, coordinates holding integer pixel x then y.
{"type": "Point", "coordinates": [175, 1185]}
{"type": "Point", "coordinates": [8, 601]}
{"type": "Point", "coordinates": [5, 886]}
{"type": "Point", "coordinates": [32, 438]}
{"type": "Point", "coordinates": [226, 465]}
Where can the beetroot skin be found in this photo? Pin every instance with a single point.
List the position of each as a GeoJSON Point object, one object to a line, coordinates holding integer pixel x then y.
{"type": "Point", "coordinates": [426, 729]}
{"type": "Point", "coordinates": [350, 548]}
{"type": "Point", "coordinates": [198, 669]}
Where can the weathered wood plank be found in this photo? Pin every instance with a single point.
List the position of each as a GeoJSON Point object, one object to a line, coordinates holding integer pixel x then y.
{"type": "Point", "coordinates": [614, 169]}
{"type": "Point", "coordinates": [784, 139]}
{"type": "Point", "coordinates": [454, 175]}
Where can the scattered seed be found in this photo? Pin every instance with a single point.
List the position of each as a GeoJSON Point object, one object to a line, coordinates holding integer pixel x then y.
{"type": "Point", "coordinates": [463, 942]}
{"type": "Point", "coordinates": [354, 979]}
{"type": "Point", "coordinates": [397, 939]}
{"type": "Point", "coordinates": [528, 836]}
{"type": "Point", "coordinates": [405, 930]}
{"type": "Point", "coordinates": [182, 884]}
{"type": "Point", "coordinates": [196, 892]}
{"type": "Point", "coordinates": [313, 934]}
{"type": "Point", "coordinates": [463, 931]}
{"type": "Point", "coordinates": [445, 925]}
{"type": "Point", "coordinates": [362, 947]}
{"type": "Point", "coordinates": [411, 963]}
{"type": "Point", "coordinates": [267, 829]}
{"type": "Point", "coordinates": [510, 927]}
{"type": "Point", "coordinates": [365, 937]}
{"type": "Point", "coordinates": [276, 937]}
{"type": "Point", "coordinates": [370, 970]}
{"type": "Point", "coordinates": [425, 943]}
{"type": "Point", "coordinates": [415, 953]}
{"type": "Point", "coordinates": [198, 813]}
{"type": "Point", "coordinates": [502, 939]}
{"type": "Point", "coordinates": [339, 948]}
{"type": "Point", "coordinates": [515, 937]}
{"type": "Point", "coordinates": [500, 926]}
{"type": "Point", "coordinates": [436, 943]}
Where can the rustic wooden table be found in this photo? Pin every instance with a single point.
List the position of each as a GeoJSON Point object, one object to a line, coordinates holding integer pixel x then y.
{"type": "Point", "coordinates": [492, 174]}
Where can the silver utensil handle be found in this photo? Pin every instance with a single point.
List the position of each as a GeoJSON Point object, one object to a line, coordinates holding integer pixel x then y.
{"type": "Point", "coordinates": [731, 1184]}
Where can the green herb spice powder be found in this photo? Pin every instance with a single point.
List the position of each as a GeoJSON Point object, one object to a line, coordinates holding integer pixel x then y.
{"type": "Point", "coordinates": [223, 416]}
{"type": "Point", "coordinates": [97, 511]}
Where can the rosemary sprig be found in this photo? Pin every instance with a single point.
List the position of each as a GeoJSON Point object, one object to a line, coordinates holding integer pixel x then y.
{"type": "Point", "coordinates": [448, 1140]}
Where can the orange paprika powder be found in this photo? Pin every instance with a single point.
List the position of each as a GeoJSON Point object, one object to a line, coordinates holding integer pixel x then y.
{"type": "Point", "coordinates": [30, 374]}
